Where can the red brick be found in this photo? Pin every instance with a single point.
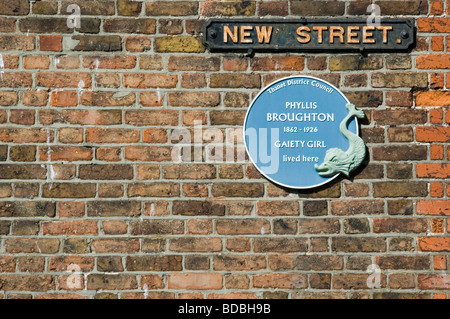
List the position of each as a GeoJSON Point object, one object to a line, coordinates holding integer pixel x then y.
{"type": "Point", "coordinates": [8, 98]}
{"type": "Point", "coordinates": [432, 170]}
{"type": "Point", "coordinates": [436, 189]}
{"type": "Point", "coordinates": [433, 61]}
{"type": "Point", "coordinates": [66, 153]}
{"type": "Point", "coordinates": [289, 63]}
{"type": "Point", "coordinates": [151, 98]}
{"type": "Point", "coordinates": [439, 262]}
{"type": "Point", "coordinates": [75, 227]}
{"type": "Point", "coordinates": [194, 281]}
{"type": "Point", "coordinates": [71, 209]}
{"type": "Point", "coordinates": [434, 282]}
{"type": "Point", "coordinates": [115, 245]}
{"type": "Point", "coordinates": [196, 244]}
{"type": "Point", "coordinates": [239, 262]}
{"type": "Point", "coordinates": [280, 281]}
{"type": "Point", "coordinates": [64, 98]}
{"type": "Point", "coordinates": [16, 80]}
{"type": "Point", "coordinates": [24, 117]}
{"type": "Point", "coordinates": [149, 80]}
{"type": "Point", "coordinates": [171, 8]}
{"type": "Point", "coordinates": [436, 80]}
{"type": "Point", "coordinates": [50, 43]}
{"type": "Point", "coordinates": [228, 8]}
{"type": "Point", "coordinates": [433, 207]}
{"type": "Point", "coordinates": [433, 134]}
{"type": "Point", "coordinates": [148, 153]}
{"type": "Point", "coordinates": [433, 98]}
{"type": "Point", "coordinates": [64, 79]}
{"type": "Point", "coordinates": [434, 243]}
{"type": "Point", "coordinates": [17, 42]}
{"type": "Point", "coordinates": [433, 25]}
{"type": "Point", "coordinates": [36, 62]}
{"type": "Point", "coordinates": [27, 282]}
{"type": "Point", "coordinates": [138, 43]}
{"type": "Point", "coordinates": [35, 98]}
{"type": "Point", "coordinates": [109, 62]}
{"type": "Point", "coordinates": [152, 117]}
{"type": "Point", "coordinates": [61, 263]}
{"type": "Point", "coordinates": [112, 135]}
{"type": "Point", "coordinates": [399, 225]}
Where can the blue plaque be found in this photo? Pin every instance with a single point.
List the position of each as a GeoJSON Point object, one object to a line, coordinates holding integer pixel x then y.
{"type": "Point", "coordinates": [302, 132]}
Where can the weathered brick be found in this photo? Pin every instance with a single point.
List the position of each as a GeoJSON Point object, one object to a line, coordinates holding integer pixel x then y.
{"type": "Point", "coordinates": [87, 117]}
{"type": "Point", "coordinates": [178, 43]}
{"type": "Point", "coordinates": [75, 227]}
{"type": "Point", "coordinates": [319, 262]}
{"type": "Point", "coordinates": [65, 153]}
{"type": "Point", "coordinates": [115, 245]}
{"type": "Point", "coordinates": [111, 282]}
{"type": "Point", "coordinates": [365, 98]}
{"type": "Point", "coordinates": [129, 7]}
{"type": "Point", "coordinates": [319, 226]}
{"type": "Point", "coordinates": [318, 8]}
{"type": "Point", "coordinates": [112, 135]}
{"type": "Point", "coordinates": [45, 7]}
{"type": "Point", "coordinates": [68, 190]}
{"type": "Point", "coordinates": [411, 7]}
{"type": "Point", "coordinates": [27, 282]}
{"type": "Point", "coordinates": [15, 7]}
{"type": "Point", "coordinates": [414, 262]}
{"type": "Point", "coordinates": [359, 244]}
{"type": "Point", "coordinates": [400, 189]}
{"type": "Point", "coordinates": [148, 153]}
{"type": "Point", "coordinates": [398, 80]}
{"type": "Point", "coordinates": [154, 263]}
{"type": "Point", "coordinates": [432, 25]}
{"type": "Point", "coordinates": [130, 25]}
{"type": "Point", "coordinates": [17, 42]}
{"type": "Point", "coordinates": [357, 207]}
{"type": "Point", "coordinates": [198, 208]}
{"type": "Point", "coordinates": [238, 189]}
{"type": "Point", "coordinates": [149, 227]}
{"type": "Point", "coordinates": [399, 153]}
{"type": "Point", "coordinates": [228, 8]}
{"type": "Point", "coordinates": [57, 25]}
{"type": "Point", "coordinates": [150, 80]}
{"type": "Point", "coordinates": [171, 8]}
{"type": "Point", "coordinates": [225, 80]}
{"type": "Point", "coordinates": [194, 99]}
{"type": "Point", "coordinates": [399, 225]}
{"type": "Point", "coordinates": [239, 262]}
{"type": "Point", "coordinates": [107, 43]}
{"type": "Point", "coordinates": [194, 281]}
{"type": "Point", "coordinates": [354, 281]}
{"type": "Point", "coordinates": [103, 7]}
{"type": "Point", "coordinates": [109, 264]}
{"type": "Point", "coordinates": [355, 62]}
{"type": "Point", "coordinates": [280, 245]}
{"type": "Point", "coordinates": [280, 281]}
{"type": "Point", "coordinates": [195, 244]}
{"type": "Point", "coordinates": [433, 207]}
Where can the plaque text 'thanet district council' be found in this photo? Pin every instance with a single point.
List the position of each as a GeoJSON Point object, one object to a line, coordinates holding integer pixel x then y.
{"type": "Point", "coordinates": [309, 35]}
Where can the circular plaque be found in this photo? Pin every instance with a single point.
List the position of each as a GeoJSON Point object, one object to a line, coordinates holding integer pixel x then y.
{"type": "Point", "coordinates": [291, 125]}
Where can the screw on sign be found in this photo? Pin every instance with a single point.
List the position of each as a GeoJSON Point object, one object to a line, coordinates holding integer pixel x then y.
{"type": "Point", "coordinates": [297, 130]}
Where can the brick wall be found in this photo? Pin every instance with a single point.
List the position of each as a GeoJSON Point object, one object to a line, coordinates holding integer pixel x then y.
{"type": "Point", "coordinates": [92, 205]}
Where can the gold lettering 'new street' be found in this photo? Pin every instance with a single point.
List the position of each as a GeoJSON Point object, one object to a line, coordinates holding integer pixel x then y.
{"type": "Point", "coordinates": [308, 35]}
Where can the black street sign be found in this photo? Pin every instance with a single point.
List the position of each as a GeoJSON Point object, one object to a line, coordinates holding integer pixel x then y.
{"type": "Point", "coordinates": [308, 35]}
